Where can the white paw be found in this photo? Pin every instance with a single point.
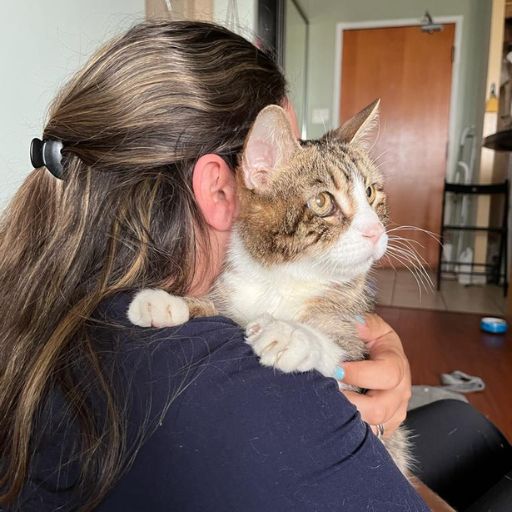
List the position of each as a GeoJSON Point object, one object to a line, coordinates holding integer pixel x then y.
{"type": "Point", "coordinates": [290, 346]}
{"type": "Point", "coordinates": [157, 308]}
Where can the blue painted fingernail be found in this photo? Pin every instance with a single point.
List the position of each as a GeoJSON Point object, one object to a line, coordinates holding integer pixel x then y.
{"type": "Point", "coordinates": [339, 373]}
{"type": "Point", "coordinates": [359, 319]}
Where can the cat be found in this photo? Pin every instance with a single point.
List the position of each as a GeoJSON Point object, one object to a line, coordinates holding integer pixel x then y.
{"type": "Point", "coordinates": [311, 225]}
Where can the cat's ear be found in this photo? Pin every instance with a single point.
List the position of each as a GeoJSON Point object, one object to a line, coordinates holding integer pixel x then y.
{"type": "Point", "coordinates": [269, 145]}
{"type": "Point", "coordinates": [360, 129]}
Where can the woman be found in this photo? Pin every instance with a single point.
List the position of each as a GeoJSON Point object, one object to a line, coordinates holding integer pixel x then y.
{"type": "Point", "coordinates": [97, 414]}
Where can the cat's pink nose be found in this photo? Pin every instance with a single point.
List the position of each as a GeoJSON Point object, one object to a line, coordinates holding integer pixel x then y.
{"type": "Point", "coordinates": [372, 231]}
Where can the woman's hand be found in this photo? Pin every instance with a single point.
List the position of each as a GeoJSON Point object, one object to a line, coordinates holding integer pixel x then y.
{"type": "Point", "coordinates": [385, 374]}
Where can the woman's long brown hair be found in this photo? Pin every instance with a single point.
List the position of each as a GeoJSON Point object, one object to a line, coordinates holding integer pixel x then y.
{"type": "Point", "coordinates": [133, 121]}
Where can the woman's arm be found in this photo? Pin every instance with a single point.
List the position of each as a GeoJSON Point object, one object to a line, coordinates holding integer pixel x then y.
{"type": "Point", "coordinates": [244, 437]}
{"type": "Point", "coordinates": [386, 374]}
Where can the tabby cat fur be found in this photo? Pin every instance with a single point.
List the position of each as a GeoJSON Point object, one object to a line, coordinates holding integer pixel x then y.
{"type": "Point", "coordinates": [311, 225]}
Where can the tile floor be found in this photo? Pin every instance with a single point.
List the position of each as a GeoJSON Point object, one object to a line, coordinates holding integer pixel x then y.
{"type": "Point", "coordinates": [399, 288]}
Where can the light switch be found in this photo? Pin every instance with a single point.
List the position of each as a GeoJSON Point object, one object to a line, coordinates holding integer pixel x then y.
{"type": "Point", "coordinates": [320, 116]}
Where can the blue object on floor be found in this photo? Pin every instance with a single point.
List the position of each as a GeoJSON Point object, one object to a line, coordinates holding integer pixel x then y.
{"type": "Point", "coordinates": [493, 325]}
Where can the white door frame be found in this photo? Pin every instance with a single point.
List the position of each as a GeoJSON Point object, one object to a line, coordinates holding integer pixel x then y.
{"type": "Point", "coordinates": [340, 27]}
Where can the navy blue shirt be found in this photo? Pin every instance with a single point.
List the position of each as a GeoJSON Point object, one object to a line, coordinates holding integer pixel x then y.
{"type": "Point", "coordinates": [225, 434]}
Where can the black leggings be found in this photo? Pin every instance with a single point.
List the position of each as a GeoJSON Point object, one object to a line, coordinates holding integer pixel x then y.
{"type": "Point", "coordinates": [462, 456]}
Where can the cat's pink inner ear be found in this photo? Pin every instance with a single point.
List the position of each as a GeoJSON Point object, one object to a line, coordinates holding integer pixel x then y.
{"type": "Point", "coordinates": [260, 159]}
{"type": "Point", "coordinates": [270, 144]}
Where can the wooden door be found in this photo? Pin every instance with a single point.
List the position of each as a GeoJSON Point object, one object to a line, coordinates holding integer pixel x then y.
{"type": "Point", "coordinates": [411, 72]}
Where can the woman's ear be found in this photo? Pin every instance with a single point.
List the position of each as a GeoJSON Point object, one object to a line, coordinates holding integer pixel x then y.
{"type": "Point", "coordinates": [214, 187]}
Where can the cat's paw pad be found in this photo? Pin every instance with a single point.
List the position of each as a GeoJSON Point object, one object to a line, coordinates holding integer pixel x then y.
{"type": "Point", "coordinates": [157, 308]}
{"type": "Point", "coordinates": [255, 328]}
{"type": "Point", "coordinates": [283, 345]}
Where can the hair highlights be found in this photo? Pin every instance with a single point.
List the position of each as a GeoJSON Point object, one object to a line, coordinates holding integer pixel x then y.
{"type": "Point", "coordinates": [134, 120]}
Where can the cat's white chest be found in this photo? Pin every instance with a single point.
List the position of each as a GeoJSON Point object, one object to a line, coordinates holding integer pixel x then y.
{"type": "Point", "coordinates": [255, 290]}
{"type": "Point", "coordinates": [250, 298]}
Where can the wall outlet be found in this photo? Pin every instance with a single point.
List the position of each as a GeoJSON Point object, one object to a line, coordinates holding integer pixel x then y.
{"type": "Point", "coordinates": [320, 116]}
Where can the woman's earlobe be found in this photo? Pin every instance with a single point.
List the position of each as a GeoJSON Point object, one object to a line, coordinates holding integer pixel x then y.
{"type": "Point", "coordinates": [214, 187]}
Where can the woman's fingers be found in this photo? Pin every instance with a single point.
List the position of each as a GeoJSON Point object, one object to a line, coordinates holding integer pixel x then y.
{"type": "Point", "coordinates": [378, 407]}
{"type": "Point", "coordinates": [374, 327]}
{"type": "Point", "coordinates": [386, 366]}
{"type": "Point", "coordinates": [375, 411]}
{"type": "Point", "coordinates": [389, 428]}
{"type": "Point", "coordinates": [385, 374]}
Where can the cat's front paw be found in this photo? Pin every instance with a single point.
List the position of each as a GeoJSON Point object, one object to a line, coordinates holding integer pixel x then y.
{"type": "Point", "coordinates": [157, 308]}
{"type": "Point", "coordinates": [290, 346]}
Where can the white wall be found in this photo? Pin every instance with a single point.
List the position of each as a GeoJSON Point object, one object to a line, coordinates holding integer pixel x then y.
{"type": "Point", "coordinates": [42, 42]}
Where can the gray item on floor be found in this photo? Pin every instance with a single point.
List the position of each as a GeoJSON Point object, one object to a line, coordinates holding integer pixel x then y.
{"type": "Point", "coordinates": [462, 382]}
{"type": "Point", "coordinates": [423, 395]}
{"type": "Point", "coordinates": [455, 383]}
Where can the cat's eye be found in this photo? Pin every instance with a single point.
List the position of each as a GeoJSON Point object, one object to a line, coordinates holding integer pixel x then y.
{"type": "Point", "coordinates": [371, 193]}
{"type": "Point", "coordinates": [322, 204]}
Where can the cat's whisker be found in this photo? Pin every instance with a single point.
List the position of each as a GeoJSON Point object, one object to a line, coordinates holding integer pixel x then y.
{"type": "Point", "coordinates": [375, 270]}
{"type": "Point", "coordinates": [381, 161]}
{"type": "Point", "coordinates": [407, 245]}
{"type": "Point", "coordinates": [415, 262]}
{"type": "Point", "coordinates": [408, 242]}
{"type": "Point", "coordinates": [393, 238]}
{"type": "Point", "coordinates": [412, 269]}
{"type": "Point", "coordinates": [324, 122]}
{"type": "Point", "coordinates": [381, 164]}
{"type": "Point", "coordinates": [376, 158]}
{"type": "Point", "coordinates": [410, 250]}
{"type": "Point", "coordinates": [405, 258]}
{"type": "Point", "coordinates": [390, 261]}
{"type": "Point", "coordinates": [403, 244]}
{"type": "Point", "coordinates": [415, 228]}
{"type": "Point", "coordinates": [414, 256]}
{"type": "Point", "coordinates": [422, 275]}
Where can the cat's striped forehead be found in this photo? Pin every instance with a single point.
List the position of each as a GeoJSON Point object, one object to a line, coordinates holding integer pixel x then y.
{"type": "Point", "coordinates": [338, 163]}
{"type": "Point", "coordinates": [279, 224]}
{"type": "Point", "coordinates": [300, 198]}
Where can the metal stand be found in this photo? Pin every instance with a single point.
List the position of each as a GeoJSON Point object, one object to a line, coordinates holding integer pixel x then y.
{"type": "Point", "coordinates": [496, 271]}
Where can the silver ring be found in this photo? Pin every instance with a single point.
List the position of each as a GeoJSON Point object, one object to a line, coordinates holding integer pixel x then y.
{"type": "Point", "coordinates": [380, 431]}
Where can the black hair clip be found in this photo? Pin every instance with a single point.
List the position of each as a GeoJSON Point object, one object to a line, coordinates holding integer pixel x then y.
{"type": "Point", "coordinates": [47, 153]}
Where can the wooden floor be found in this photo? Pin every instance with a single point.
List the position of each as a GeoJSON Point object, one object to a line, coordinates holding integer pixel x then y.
{"type": "Point", "coordinates": [439, 342]}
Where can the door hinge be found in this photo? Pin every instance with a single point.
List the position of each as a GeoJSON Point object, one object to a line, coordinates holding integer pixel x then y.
{"type": "Point", "coordinates": [452, 56]}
